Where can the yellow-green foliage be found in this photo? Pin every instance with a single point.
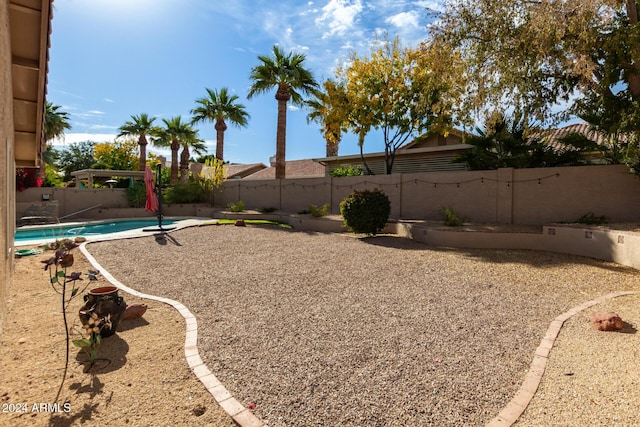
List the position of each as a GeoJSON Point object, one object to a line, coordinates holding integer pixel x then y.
{"type": "Point", "coordinates": [319, 211]}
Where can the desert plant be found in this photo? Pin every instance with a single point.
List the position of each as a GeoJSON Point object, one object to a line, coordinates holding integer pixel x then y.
{"type": "Point", "coordinates": [451, 217]}
{"type": "Point", "coordinates": [267, 210]}
{"type": "Point", "coordinates": [319, 211]}
{"type": "Point", "coordinates": [236, 207]}
{"type": "Point", "coordinates": [366, 211]}
{"type": "Point", "coordinates": [591, 219]}
{"type": "Point", "coordinates": [184, 192]}
{"type": "Point", "coordinates": [346, 171]}
{"type": "Point", "coordinates": [136, 194]}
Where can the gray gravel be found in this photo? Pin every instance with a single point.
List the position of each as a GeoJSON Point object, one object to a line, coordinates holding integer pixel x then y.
{"type": "Point", "coordinates": [326, 329]}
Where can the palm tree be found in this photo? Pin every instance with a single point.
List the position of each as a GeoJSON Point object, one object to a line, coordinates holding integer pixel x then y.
{"type": "Point", "coordinates": [218, 107]}
{"type": "Point", "coordinates": [172, 135]}
{"type": "Point", "coordinates": [139, 126]}
{"type": "Point", "coordinates": [55, 122]}
{"type": "Point", "coordinates": [326, 109]}
{"type": "Point", "coordinates": [287, 74]}
{"type": "Point", "coordinates": [189, 140]}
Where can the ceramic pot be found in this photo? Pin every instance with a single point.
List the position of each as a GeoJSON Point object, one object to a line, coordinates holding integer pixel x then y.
{"type": "Point", "coordinates": [106, 302]}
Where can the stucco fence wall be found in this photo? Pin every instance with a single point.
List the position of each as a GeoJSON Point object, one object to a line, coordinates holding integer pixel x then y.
{"type": "Point", "coordinates": [506, 196]}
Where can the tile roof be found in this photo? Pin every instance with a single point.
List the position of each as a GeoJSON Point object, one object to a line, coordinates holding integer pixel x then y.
{"type": "Point", "coordinates": [306, 168]}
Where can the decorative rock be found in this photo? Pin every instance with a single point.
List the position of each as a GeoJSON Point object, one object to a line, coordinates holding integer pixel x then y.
{"type": "Point", "coordinates": [22, 340]}
{"type": "Point", "coordinates": [240, 223]}
{"type": "Point", "coordinates": [134, 311]}
{"type": "Point", "coordinates": [606, 321]}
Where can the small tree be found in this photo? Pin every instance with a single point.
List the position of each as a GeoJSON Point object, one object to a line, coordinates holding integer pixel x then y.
{"type": "Point", "coordinates": [366, 211]}
{"type": "Point", "coordinates": [212, 178]}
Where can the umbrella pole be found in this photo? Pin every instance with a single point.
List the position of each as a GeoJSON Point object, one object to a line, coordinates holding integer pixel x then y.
{"type": "Point", "coordinates": [159, 194]}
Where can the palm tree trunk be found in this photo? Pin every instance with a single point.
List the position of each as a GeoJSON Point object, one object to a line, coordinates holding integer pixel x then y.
{"type": "Point", "coordinates": [220, 127]}
{"type": "Point", "coordinates": [282, 95]}
{"type": "Point", "coordinates": [184, 163]}
{"type": "Point", "coordinates": [142, 142]}
{"type": "Point", "coordinates": [175, 146]}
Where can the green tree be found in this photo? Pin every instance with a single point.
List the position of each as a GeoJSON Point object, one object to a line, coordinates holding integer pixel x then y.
{"type": "Point", "coordinates": [117, 155]}
{"type": "Point", "coordinates": [139, 126]}
{"type": "Point", "coordinates": [328, 109]}
{"type": "Point", "coordinates": [399, 91]}
{"type": "Point", "coordinates": [534, 55]}
{"type": "Point", "coordinates": [76, 157]}
{"type": "Point", "coordinates": [220, 107]}
{"type": "Point", "coordinates": [285, 72]}
{"type": "Point", "coordinates": [171, 135]}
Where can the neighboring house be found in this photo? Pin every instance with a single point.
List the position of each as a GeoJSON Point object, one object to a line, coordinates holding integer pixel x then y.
{"type": "Point", "coordinates": [432, 153]}
{"type": "Point", "coordinates": [25, 26]}
{"type": "Point", "coordinates": [238, 171]}
{"type": "Point", "coordinates": [293, 169]}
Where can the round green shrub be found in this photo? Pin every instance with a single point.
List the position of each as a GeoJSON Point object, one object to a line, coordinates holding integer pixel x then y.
{"type": "Point", "coordinates": [366, 211]}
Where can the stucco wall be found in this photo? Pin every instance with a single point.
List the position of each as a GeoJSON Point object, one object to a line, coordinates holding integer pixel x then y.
{"type": "Point", "coordinates": [7, 176]}
{"type": "Point", "coordinates": [518, 196]}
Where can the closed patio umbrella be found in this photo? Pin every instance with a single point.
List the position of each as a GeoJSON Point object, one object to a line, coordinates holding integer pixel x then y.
{"type": "Point", "coordinates": [152, 199]}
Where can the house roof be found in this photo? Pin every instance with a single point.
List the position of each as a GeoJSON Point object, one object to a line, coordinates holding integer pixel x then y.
{"type": "Point", "coordinates": [552, 136]}
{"type": "Point", "coordinates": [235, 170]}
{"type": "Point", "coordinates": [306, 168]}
{"type": "Point", "coordinates": [30, 29]}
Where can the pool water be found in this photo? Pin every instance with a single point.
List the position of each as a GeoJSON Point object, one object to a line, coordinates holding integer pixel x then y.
{"type": "Point", "coordinates": [60, 231]}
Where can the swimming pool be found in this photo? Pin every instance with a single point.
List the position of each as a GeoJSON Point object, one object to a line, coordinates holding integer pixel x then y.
{"type": "Point", "coordinates": [29, 234]}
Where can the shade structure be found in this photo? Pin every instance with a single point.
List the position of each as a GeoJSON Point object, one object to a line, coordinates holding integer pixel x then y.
{"type": "Point", "coordinates": [152, 199]}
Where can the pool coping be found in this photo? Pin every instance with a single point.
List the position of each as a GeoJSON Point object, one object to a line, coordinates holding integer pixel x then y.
{"type": "Point", "coordinates": [245, 418]}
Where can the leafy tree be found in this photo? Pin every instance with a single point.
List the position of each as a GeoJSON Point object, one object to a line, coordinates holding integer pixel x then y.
{"type": "Point", "coordinates": [171, 135]}
{"type": "Point", "coordinates": [212, 179]}
{"type": "Point", "coordinates": [220, 107]}
{"type": "Point", "coordinates": [139, 126]}
{"type": "Point", "coordinates": [286, 72]}
{"type": "Point", "coordinates": [536, 54]}
{"type": "Point", "coordinates": [117, 155]}
{"type": "Point", "coordinates": [328, 109]}
{"type": "Point", "coordinates": [75, 157]}
{"type": "Point", "coordinates": [400, 91]}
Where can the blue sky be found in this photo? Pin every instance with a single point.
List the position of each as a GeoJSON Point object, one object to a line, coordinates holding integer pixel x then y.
{"type": "Point", "coordinates": [110, 59]}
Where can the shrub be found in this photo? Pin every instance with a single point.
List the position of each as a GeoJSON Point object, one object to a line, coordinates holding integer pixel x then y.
{"type": "Point", "coordinates": [591, 219]}
{"type": "Point", "coordinates": [319, 211]}
{"type": "Point", "coordinates": [137, 194]}
{"type": "Point", "coordinates": [346, 171]}
{"type": "Point", "coordinates": [267, 210]}
{"type": "Point", "coordinates": [450, 217]}
{"type": "Point", "coordinates": [236, 207]}
{"type": "Point", "coordinates": [366, 211]}
{"type": "Point", "coordinates": [183, 192]}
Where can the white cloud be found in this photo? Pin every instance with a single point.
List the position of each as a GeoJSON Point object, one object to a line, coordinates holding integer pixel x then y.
{"type": "Point", "coordinates": [109, 100]}
{"type": "Point", "coordinates": [340, 15]}
{"type": "Point", "coordinates": [404, 19]}
{"type": "Point", "coordinates": [73, 138]}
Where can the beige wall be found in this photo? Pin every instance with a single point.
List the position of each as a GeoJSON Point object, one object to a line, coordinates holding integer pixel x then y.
{"type": "Point", "coordinates": [7, 177]}
{"type": "Point", "coordinates": [505, 196]}
{"type": "Point", "coordinates": [518, 196]}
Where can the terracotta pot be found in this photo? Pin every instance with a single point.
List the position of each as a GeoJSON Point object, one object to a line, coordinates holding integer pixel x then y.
{"type": "Point", "coordinates": [106, 302]}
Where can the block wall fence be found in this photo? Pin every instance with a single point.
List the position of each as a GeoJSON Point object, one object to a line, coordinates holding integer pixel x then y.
{"type": "Point", "coordinates": [503, 196]}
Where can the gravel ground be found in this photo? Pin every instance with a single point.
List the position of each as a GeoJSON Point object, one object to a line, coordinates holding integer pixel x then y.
{"type": "Point", "coordinates": [326, 329]}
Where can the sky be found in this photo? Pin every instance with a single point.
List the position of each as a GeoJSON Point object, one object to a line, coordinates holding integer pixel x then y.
{"type": "Point", "coordinates": [111, 59]}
